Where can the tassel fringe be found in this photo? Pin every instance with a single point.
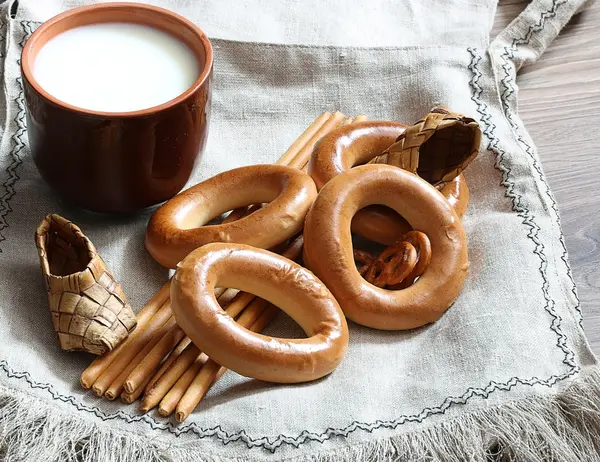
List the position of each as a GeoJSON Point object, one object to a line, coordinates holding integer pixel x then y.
{"type": "Point", "coordinates": [564, 427]}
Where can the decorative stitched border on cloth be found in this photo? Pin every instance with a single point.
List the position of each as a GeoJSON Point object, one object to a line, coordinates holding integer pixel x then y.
{"type": "Point", "coordinates": [8, 186]}
{"type": "Point", "coordinates": [494, 146]}
{"type": "Point", "coordinates": [511, 60]}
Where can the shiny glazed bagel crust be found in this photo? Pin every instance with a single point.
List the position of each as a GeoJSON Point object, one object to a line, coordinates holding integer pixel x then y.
{"type": "Point", "coordinates": [278, 280]}
{"type": "Point", "coordinates": [351, 145]}
{"type": "Point", "coordinates": [328, 247]}
{"type": "Point", "coordinates": [356, 144]}
{"type": "Point", "coordinates": [178, 227]}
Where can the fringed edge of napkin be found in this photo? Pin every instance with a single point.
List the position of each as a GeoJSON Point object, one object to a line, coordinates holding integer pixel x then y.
{"type": "Point", "coordinates": [564, 426]}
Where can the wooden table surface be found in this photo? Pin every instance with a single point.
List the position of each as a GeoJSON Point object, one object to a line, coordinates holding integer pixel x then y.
{"type": "Point", "coordinates": [559, 102]}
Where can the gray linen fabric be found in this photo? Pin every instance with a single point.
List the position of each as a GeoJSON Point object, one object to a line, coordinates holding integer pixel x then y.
{"type": "Point", "coordinates": [494, 372]}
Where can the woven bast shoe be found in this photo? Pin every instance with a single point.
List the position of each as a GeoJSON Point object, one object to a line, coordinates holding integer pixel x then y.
{"type": "Point", "coordinates": [89, 309]}
{"type": "Point", "coordinates": [437, 148]}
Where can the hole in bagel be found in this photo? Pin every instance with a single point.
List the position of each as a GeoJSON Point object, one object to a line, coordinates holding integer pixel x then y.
{"type": "Point", "coordinates": [379, 224]}
{"type": "Point", "coordinates": [239, 212]}
{"type": "Point", "coordinates": [361, 243]}
{"type": "Point", "coordinates": [217, 214]}
{"type": "Point", "coordinates": [373, 242]}
{"type": "Point", "coordinates": [281, 326]}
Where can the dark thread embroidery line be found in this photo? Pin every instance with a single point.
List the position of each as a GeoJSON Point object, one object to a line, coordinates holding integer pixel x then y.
{"type": "Point", "coordinates": [524, 40]}
{"type": "Point", "coordinates": [518, 207]}
{"type": "Point", "coordinates": [507, 100]}
{"type": "Point", "coordinates": [3, 26]}
{"type": "Point", "coordinates": [18, 144]}
{"type": "Point", "coordinates": [306, 436]}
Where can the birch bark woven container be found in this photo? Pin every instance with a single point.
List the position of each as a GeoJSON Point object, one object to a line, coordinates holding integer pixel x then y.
{"type": "Point", "coordinates": [89, 309]}
{"type": "Point", "coordinates": [437, 148]}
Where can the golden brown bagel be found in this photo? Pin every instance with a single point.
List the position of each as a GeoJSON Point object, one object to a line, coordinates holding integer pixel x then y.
{"type": "Point", "coordinates": [178, 227]}
{"type": "Point", "coordinates": [351, 145]}
{"type": "Point", "coordinates": [328, 247]}
{"type": "Point", "coordinates": [278, 280]}
{"type": "Point", "coordinates": [356, 144]}
{"type": "Point", "coordinates": [457, 193]}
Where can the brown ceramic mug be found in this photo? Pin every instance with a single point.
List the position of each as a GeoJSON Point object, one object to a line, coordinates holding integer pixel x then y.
{"type": "Point", "coordinates": [118, 161]}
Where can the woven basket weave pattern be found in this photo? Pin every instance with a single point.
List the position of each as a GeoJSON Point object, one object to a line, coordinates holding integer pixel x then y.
{"type": "Point", "coordinates": [89, 309]}
{"type": "Point", "coordinates": [438, 147]}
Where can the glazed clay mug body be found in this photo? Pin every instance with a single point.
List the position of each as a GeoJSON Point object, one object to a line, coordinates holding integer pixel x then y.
{"type": "Point", "coordinates": [118, 161]}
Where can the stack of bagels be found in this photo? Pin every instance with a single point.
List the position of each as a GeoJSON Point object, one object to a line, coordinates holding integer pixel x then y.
{"type": "Point", "coordinates": [376, 179]}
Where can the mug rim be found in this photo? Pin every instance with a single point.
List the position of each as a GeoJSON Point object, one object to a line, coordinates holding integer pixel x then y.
{"type": "Point", "coordinates": [27, 62]}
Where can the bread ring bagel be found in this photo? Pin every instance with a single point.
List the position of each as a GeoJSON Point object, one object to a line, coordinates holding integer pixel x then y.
{"type": "Point", "coordinates": [457, 193]}
{"type": "Point", "coordinates": [356, 144]}
{"type": "Point", "coordinates": [351, 145]}
{"type": "Point", "coordinates": [177, 227]}
{"type": "Point", "coordinates": [278, 280]}
{"type": "Point", "coordinates": [328, 247]}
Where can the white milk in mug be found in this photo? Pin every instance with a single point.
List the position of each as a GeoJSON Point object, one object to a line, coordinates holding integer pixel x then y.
{"type": "Point", "coordinates": [115, 67]}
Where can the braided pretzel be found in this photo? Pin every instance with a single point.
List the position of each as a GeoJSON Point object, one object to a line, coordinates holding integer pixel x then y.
{"type": "Point", "coordinates": [365, 258]}
{"type": "Point", "coordinates": [395, 266]}
{"type": "Point", "coordinates": [423, 246]}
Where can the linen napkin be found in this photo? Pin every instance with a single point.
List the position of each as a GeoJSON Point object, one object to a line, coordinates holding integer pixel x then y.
{"type": "Point", "coordinates": [506, 373]}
